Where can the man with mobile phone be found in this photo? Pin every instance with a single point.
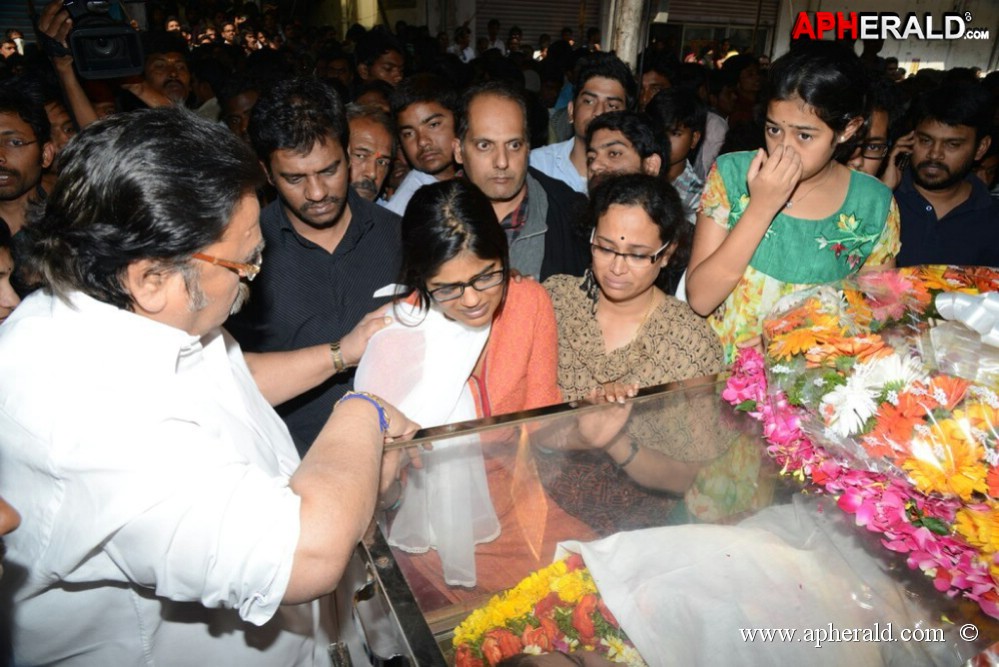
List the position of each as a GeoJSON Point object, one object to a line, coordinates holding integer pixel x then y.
{"type": "Point", "coordinates": [947, 215]}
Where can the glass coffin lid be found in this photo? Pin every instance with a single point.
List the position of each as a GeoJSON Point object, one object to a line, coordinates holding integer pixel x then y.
{"type": "Point", "coordinates": [702, 541]}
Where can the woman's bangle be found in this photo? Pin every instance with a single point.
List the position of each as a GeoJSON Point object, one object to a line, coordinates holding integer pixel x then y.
{"type": "Point", "coordinates": [383, 420]}
{"type": "Point", "coordinates": [397, 486]}
{"type": "Point", "coordinates": [631, 457]}
{"type": "Point", "coordinates": [338, 365]}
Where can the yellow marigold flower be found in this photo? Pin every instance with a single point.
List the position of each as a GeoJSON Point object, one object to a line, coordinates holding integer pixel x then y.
{"type": "Point", "coordinates": [570, 588]}
{"type": "Point", "coordinates": [980, 528]}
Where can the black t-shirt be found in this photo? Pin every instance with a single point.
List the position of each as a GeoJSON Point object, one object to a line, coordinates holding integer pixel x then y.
{"type": "Point", "coordinates": [306, 296]}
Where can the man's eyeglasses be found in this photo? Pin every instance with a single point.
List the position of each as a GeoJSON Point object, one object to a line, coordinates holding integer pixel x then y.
{"type": "Point", "coordinates": [479, 284]}
{"type": "Point", "coordinates": [630, 258]}
{"type": "Point", "coordinates": [242, 269]}
{"type": "Point", "coordinates": [8, 143]}
{"type": "Point", "coordinates": [874, 151]}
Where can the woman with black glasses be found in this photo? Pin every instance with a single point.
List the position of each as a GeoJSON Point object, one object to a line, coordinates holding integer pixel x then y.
{"type": "Point", "coordinates": [617, 326]}
{"type": "Point", "coordinates": [467, 342]}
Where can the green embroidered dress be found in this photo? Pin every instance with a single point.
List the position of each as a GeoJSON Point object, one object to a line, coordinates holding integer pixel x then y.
{"type": "Point", "coordinates": [795, 253]}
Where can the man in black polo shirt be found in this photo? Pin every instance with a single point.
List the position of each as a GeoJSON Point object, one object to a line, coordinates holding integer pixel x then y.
{"type": "Point", "coordinates": [947, 215]}
{"type": "Point", "coordinates": [328, 253]}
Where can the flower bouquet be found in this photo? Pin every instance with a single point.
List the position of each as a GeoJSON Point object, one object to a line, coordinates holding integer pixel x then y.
{"type": "Point", "coordinates": [858, 395]}
{"type": "Point", "coordinates": [557, 608]}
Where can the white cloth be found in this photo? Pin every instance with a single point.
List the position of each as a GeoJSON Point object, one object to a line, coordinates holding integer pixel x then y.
{"type": "Point", "coordinates": [553, 160]}
{"type": "Point", "coordinates": [466, 55]}
{"type": "Point", "coordinates": [152, 480]}
{"type": "Point", "coordinates": [684, 593]}
{"type": "Point", "coordinates": [421, 364]}
{"type": "Point", "coordinates": [414, 180]}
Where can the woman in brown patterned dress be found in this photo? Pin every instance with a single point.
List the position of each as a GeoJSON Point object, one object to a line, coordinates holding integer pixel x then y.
{"type": "Point", "coordinates": [616, 325]}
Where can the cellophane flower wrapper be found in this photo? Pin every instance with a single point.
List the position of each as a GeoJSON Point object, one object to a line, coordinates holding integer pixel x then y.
{"type": "Point", "coordinates": [873, 397]}
{"type": "Point", "coordinates": [881, 388]}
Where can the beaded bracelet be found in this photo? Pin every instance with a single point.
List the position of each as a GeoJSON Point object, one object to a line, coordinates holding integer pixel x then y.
{"type": "Point", "coordinates": [383, 421]}
{"type": "Point", "coordinates": [631, 457]}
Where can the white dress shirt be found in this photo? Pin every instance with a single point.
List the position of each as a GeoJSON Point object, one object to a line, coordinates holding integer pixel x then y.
{"type": "Point", "coordinates": [151, 476]}
{"type": "Point", "coordinates": [553, 160]}
{"type": "Point", "coordinates": [413, 181]}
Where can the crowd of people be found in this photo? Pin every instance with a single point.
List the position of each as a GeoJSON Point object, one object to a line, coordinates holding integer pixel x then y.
{"type": "Point", "coordinates": [581, 228]}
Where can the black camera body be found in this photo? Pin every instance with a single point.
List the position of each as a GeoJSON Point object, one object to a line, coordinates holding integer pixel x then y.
{"type": "Point", "coordinates": [103, 47]}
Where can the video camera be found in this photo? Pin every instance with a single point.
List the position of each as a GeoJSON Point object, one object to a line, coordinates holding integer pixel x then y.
{"type": "Point", "coordinates": [103, 47]}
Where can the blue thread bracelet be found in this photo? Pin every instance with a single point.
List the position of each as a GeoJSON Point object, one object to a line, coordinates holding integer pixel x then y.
{"type": "Point", "coordinates": [383, 422]}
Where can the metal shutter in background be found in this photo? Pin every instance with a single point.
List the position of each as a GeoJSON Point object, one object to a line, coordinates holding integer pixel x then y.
{"type": "Point", "coordinates": [536, 17]}
{"type": "Point", "coordinates": [728, 12]}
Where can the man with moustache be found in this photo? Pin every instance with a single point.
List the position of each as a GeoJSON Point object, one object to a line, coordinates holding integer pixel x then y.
{"type": "Point", "coordinates": [541, 215]}
{"type": "Point", "coordinates": [166, 517]}
{"type": "Point", "coordinates": [330, 254]}
{"type": "Point", "coordinates": [371, 149]}
{"type": "Point", "coordinates": [424, 107]}
{"type": "Point", "coordinates": [947, 215]}
{"type": "Point", "coordinates": [26, 150]}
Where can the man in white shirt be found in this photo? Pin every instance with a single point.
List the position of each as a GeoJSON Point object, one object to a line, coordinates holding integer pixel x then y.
{"type": "Point", "coordinates": [166, 517]}
{"type": "Point", "coordinates": [424, 107]}
{"type": "Point", "coordinates": [604, 83]}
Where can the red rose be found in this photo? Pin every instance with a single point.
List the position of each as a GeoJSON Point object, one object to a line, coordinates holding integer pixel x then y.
{"type": "Point", "coordinates": [507, 642]}
{"type": "Point", "coordinates": [550, 628]}
{"type": "Point", "coordinates": [574, 562]}
{"type": "Point", "coordinates": [547, 603]}
{"type": "Point", "coordinates": [464, 657]}
{"type": "Point", "coordinates": [582, 618]}
{"type": "Point", "coordinates": [537, 637]}
{"type": "Point", "coordinates": [491, 651]}
{"type": "Point", "coordinates": [606, 613]}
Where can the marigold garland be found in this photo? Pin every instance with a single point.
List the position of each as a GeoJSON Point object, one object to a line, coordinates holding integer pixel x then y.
{"type": "Point", "coordinates": [557, 608]}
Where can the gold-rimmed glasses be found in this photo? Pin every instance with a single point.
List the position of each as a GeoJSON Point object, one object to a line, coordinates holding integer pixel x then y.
{"type": "Point", "coordinates": [242, 269]}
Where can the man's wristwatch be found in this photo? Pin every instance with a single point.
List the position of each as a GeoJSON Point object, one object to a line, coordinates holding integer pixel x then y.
{"type": "Point", "coordinates": [338, 365]}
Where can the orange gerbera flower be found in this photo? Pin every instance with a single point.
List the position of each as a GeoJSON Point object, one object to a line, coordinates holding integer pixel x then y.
{"type": "Point", "coordinates": [951, 389]}
{"type": "Point", "coordinates": [893, 428]}
{"type": "Point", "coordinates": [912, 404]}
{"type": "Point", "coordinates": [797, 341]}
{"type": "Point", "coordinates": [957, 470]}
{"type": "Point", "coordinates": [786, 322]}
{"type": "Point", "coordinates": [932, 277]}
{"type": "Point", "coordinates": [973, 280]}
{"type": "Point", "coordinates": [861, 310]}
{"type": "Point", "coordinates": [992, 481]}
{"type": "Point", "coordinates": [863, 348]}
{"type": "Point", "coordinates": [980, 527]}
{"type": "Point", "coordinates": [980, 416]}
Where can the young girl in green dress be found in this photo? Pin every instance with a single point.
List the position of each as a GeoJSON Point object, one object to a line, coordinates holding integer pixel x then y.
{"type": "Point", "coordinates": [776, 220]}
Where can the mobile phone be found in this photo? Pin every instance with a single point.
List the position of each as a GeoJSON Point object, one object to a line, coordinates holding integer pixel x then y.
{"type": "Point", "coordinates": [902, 160]}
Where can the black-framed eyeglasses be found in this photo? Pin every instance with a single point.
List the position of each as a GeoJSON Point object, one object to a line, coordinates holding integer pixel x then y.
{"type": "Point", "coordinates": [242, 269]}
{"type": "Point", "coordinates": [630, 258]}
{"type": "Point", "coordinates": [874, 151]}
{"type": "Point", "coordinates": [480, 284]}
